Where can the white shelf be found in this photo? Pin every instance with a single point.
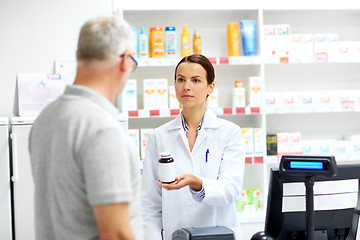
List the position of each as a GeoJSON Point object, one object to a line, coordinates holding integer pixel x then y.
{"type": "Point", "coordinates": [253, 217]}
{"type": "Point", "coordinates": [295, 110]}
{"type": "Point", "coordinates": [165, 113]}
{"type": "Point", "coordinates": [242, 60]}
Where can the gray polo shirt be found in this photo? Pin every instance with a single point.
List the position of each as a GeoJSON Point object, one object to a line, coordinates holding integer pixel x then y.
{"type": "Point", "coordinates": [80, 157]}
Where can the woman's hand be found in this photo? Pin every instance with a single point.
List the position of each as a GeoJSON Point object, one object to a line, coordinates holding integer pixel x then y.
{"type": "Point", "coordinates": [184, 179]}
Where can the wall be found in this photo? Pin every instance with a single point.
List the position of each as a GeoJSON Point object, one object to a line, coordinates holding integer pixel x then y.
{"type": "Point", "coordinates": [35, 33]}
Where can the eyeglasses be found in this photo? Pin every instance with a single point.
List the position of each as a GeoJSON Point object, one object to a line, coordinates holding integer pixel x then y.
{"type": "Point", "coordinates": [133, 62]}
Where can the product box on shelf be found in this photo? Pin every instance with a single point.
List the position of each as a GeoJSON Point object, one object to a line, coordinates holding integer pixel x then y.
{"type": "Point", "coordinates": [324, 101]}
{"type": "Point", "coordinates": [161, 93]}
{"type": "Point", "coordinates": [149, 94]}
{"type": "Point", "coordinates": [129, 96]}
{"type": "Point", "coordinates": [355, 146]}
{"type": "Point", "coordinates": [288, 143]}
{"type": "Point", "coordinates": [282, 144]}
{"type": "Point", "coordinates": [308, 147]}
{"type": "Point", "coordinates": [345, 100]}
{"type": "Point", "coordinates": [348, 51]}
{"type": "Point", "coordinates": [307, 101]}
{"type": "Point", "coordinates": [318, 147]}
{"type": "Point", "coordinates": [213, 101]}
{"type": "Point", "coordinates": [144, 137]}
{"type": "Point", "coordinates": [294, 144]}
{"type": "Point", "coordinates": [259, 145]}
{"type": "Point", "coordinates": [325, 45]}
{"type": "Point", "coordinates": [269, 41]}
{"type": "Point", "coordinates": [134, 137]}
{"type": "Point", "coordinates": [173, 102]}
{"type": "Point", "coordinates": [343, 150]}
{"type": "Point", "coordinates": [255, 91]}
{"type": "Point", "coordinates": [248, 139]}
{"type": "Point", "coordinates": [289, 101]}
{"type": "Point", "coordinates": [271, 105]}
{"type": "Point", "coordinates": [283, 41]}
{"type": "Point", "coordinates": [271, 144]}
{"type": "Point", "coordinates": [301, 48]}
{"type": "Point", "coordinates": [238, 95]}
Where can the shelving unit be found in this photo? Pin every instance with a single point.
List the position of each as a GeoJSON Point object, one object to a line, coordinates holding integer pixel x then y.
{"type": "Point", "coordinates": [305, 75]}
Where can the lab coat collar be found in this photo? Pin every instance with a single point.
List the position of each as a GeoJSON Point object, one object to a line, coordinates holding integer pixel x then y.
{"type": "Point", "coordinates": [210, 121]}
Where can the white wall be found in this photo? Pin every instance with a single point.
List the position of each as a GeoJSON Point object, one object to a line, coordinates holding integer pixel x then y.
{"type": "Point", "coordinates": [35, 33]}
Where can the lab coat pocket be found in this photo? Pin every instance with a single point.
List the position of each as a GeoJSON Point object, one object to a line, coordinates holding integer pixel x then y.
{"type": "Point", "coordinates": [211, 164]}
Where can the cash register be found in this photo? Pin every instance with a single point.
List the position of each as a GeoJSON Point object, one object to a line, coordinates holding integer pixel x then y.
{"type": "Point", "coordinates": [204, 233]}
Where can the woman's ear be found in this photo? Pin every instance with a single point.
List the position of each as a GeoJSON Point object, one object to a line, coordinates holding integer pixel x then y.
{"type": "Point", "coordinates": [211, 87]}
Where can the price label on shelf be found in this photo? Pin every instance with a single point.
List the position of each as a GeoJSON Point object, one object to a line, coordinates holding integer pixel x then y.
{"type": "Point", "coordinates": [348, 105]}
{"type": "Point", "coordinates": [154, 113]}
{"type": "Point", "coordinates": [244, 60]}
{"type": "Point", "coordinates": [213, 60]}
{"type": "Point", "coordinates": [259, 159]}
{"type": "Point", "coordinates": [224, 60]}
{"type": "Point", "coordinates": [240, 110]}
{"type": "Point", "coordinates": [321, 57]}
{"type": "Point", "coordinates": [255, 110]}
{"type": "Point", "coordinates": [143, 62]}
{"type": "Point", "coordinates": [227, 111]}
{"type": "Point", "coordinates": [235, 61]}
{"type": "Point", "coordinates": [284, 59]}
{"type": "Point", "coordinates": [271, 59]}
{"type": "Point", "coordinates": [133, 113]}
{"type": "Point", "coordinates": [174, 112]}
{"type": "Point", "coordinates": [248, 160]}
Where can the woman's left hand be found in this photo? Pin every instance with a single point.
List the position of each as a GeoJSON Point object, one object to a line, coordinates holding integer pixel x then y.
{"type": "Point", "coordinates": [184, 179]}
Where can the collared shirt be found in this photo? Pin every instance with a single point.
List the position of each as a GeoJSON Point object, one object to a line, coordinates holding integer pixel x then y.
{"type": "Point", "coordinates": [197, 195]}
{"type": "Point", "coordinates": [186, 128]}
{"type": "Point", "coordinates": [80, 158]}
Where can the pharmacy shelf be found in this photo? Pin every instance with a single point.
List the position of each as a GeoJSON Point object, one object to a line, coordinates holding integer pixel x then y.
{"type": "Point", "coordinates": [309, 110]}
{"type": "Point", "coordinates": [165, 113]}
{"type": "Point", "coordinates": [228, 111]}
{"type": "Point", "coordinates": [162, 62]}
{"type": "Point", "coordinates": [247, 60]}
{"type": "Point", "coordinates": [280, 74]}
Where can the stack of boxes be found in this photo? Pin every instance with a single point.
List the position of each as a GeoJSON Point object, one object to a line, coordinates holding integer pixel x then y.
{"type": "Point", "coordinates": [312, 101]}
{"type": "Point", "coordinates": [254, 145]}
{"type": "Point", "coordinates": [308, 47]}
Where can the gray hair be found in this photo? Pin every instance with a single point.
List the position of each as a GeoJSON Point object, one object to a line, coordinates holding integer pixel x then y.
{"type": "Point", "coordinates": [104, 39]}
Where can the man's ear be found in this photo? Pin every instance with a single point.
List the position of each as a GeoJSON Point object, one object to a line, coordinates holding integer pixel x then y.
{"type": "Point", "coordinates": [124, 63]}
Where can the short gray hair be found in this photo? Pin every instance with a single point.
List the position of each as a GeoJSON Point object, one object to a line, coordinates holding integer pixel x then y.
{"type": "Point", "coordinates": [104, 39]}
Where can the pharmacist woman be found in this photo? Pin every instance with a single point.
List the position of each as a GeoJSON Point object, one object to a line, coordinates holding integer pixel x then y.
{"type": "Point", "coordinates": [209, 161]}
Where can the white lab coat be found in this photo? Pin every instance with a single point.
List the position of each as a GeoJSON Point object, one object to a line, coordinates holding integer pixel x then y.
{"type": "Point", "coordinates": [221, 174]}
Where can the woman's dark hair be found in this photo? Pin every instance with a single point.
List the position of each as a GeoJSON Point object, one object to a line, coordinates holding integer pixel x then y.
{"type": "Point", "coordinates": [203, 61]}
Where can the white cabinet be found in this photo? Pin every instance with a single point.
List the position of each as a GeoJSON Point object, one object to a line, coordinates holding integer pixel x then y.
{"type": "Point", "coordinates": [22, 180]}
{"type": "Point", "coordinates": [5, 191]}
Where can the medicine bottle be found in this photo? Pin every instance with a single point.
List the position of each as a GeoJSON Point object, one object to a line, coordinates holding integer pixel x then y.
{"type": "Point", "coordinates": [166, 169]}
{"type": "Point", "coordinates": [238, 94]}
